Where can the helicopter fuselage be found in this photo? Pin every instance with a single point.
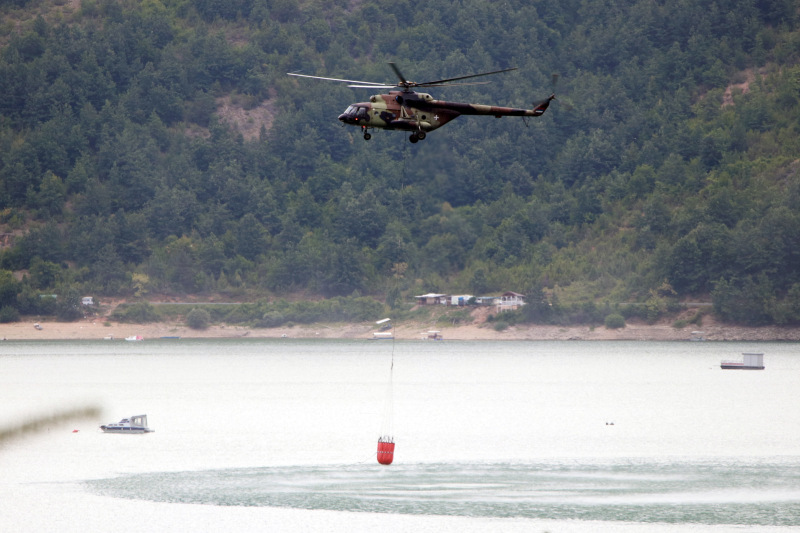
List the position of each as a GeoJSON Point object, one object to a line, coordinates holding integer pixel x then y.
{"type": "Point", "coordinates": [420, 113]}
{"type": "Point", "coordinates": [407, 110]}
{"type": "Point", "coordinates": [398, 110]}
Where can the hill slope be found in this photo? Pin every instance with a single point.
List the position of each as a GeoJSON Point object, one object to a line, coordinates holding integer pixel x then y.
{"type": "Point", "coordinates": [159, 146]}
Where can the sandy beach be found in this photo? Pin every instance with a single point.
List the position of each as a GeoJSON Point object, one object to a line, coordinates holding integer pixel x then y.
{"type": "Point", "coordinates": [99, 328]}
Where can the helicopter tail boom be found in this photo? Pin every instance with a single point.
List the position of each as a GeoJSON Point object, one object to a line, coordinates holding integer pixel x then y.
{"type": "Point", "coordinates": [496, 111]}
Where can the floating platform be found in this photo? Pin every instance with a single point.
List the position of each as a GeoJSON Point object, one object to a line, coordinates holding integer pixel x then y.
{"type": "Point", "coordinates": [752, 361]}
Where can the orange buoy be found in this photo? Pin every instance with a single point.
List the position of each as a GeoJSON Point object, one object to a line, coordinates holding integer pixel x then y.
{"type": "Point", "coordinates": [385, 451]}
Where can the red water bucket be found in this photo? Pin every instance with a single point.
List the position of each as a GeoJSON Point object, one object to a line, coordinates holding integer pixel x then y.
{"type": "Point", "coordinates": [385, 452]}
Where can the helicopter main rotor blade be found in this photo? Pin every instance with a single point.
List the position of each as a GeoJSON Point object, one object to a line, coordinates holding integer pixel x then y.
{"type": "Point", "coordinates": [404, 83]}
{"type": "Point", "coordinates": [453, 84]}
{"type": "Point", "coordinates": [415, 85]}
{"type": "Point", "coordinates": [448, 80]}
{"type": "Point", "coordinates": [403, 80]}
{"type": "Point", "coordinates": [374, 86]}
{"type": "Point", "coordinates": [366, 83]}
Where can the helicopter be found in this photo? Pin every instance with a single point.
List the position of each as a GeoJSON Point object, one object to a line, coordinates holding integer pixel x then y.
{"type": "Point", "coordinates": [406, 109]}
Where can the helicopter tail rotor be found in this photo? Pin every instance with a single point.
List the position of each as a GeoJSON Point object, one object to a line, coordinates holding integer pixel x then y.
{"type": "Point", "coordinates": [541, 106]}
{"type": "Point", "coordinates": [564, 102]}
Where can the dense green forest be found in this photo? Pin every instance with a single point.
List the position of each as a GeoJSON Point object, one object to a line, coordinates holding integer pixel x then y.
{"type": "Point", "coordinates": [158, 147]}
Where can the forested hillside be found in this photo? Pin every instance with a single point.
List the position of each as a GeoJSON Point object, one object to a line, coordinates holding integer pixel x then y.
{"type": "Point", "coordinates": [159, 147]}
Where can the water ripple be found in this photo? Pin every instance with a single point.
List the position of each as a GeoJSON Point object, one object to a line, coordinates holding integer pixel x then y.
{"type": "Point", "coordinates": [707, 493]}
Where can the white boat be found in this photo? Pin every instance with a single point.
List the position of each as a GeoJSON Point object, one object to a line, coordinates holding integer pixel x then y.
{"type": "Point", "coordinates": [134, 338]}
{"type": "Point", "coordinates": [133, 424]}
{"type": "Point", "coordinates": [697, 336]}
{"type": "Point", "coordinates": [434, 335]}
{"type": "Point", "coordinates": [385, 330]}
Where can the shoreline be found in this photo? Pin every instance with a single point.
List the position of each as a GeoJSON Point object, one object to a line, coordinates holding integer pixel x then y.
{"type": "Point", "coordinates": [97, 329]}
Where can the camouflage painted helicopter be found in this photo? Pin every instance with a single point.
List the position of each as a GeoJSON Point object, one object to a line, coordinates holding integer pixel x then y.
{"type": "Point", "coordinates": [408, 110]}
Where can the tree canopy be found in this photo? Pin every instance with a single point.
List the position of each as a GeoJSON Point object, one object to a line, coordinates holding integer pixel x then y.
{"type": "Point", "coordinates": [158, 146]}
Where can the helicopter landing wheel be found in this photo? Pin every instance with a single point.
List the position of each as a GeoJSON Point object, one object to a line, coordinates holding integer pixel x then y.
{"type": "Point", "coordinates": [414, 138]}
{"type": "Point", "coordinates": [421, 135]}
{"type": "Point", "coordinates": [367, 136]}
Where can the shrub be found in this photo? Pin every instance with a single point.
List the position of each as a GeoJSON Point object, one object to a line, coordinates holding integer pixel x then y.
{"type": "Point", "coordinates": [615, 321]}
{"type": "Point", "coordinates": [198, 318]}
{"type": "Point", "coordinates": [697, 319]}
{"type": "Point", "coordinates": [8, 314]}
{"type": "Point", "coordinates": [461, 316]}
{"type": "Point", "coordinates": [271, 319]}
{"type": "Point", "coordinates": [137, 313]}
{"type": "Point", "coordinates": [68, 305]}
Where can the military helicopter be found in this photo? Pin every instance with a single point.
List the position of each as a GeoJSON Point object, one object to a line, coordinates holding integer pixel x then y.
{"type": "Point", "coordinates": [408, 110]}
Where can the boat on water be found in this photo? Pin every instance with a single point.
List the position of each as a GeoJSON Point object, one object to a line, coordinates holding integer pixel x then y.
{"type": "Point", "coordinates": [433, 335]}
{"type": "Point", "coordinates": [384, 331]}
{"type": "Point", "coordinates": [130, 425]}
{"type": "Point", "coordinates": [697, 336]}
{"type": "Point", "coordinates": [751, 361]}
{"type": "Point", "coordinates": [134, 338]}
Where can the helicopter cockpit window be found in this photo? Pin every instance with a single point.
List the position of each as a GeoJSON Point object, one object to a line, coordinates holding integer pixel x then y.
{"type": "Point", "coordinates": [355, 114]}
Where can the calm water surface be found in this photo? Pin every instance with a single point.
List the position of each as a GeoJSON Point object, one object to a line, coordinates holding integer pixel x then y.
{"type": "Point", "coordinates": [513, 436]}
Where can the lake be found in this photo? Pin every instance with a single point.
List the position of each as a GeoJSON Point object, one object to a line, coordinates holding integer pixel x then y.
{"type": "Point", "coordinates": [281, 434]}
